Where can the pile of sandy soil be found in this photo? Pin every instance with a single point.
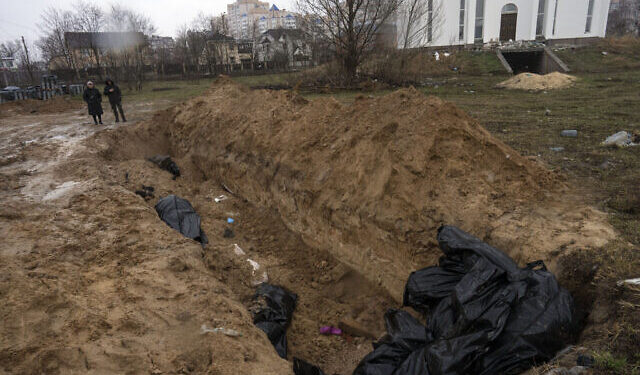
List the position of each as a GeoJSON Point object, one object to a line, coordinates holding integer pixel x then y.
{"type": "Point", "coordinates": [32, 106]}
{"type": "Point", "coordinates": [532, 81]}
{"type": "Point", "coordinates": [370, 182]}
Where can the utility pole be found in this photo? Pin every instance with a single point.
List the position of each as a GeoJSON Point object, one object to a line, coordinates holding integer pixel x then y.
{"type": "Point", "coordinates": [26, 54]}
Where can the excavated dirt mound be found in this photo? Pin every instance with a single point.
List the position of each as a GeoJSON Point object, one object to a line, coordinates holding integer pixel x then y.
{"type": "Point", "coordinates": [337, 203]}
{"type": "Point", "coordinates": [29, 106]}
{"type": "Point", "coordinates": [372, 181]}
{"type": "Point", "coordinates": [532, 81]}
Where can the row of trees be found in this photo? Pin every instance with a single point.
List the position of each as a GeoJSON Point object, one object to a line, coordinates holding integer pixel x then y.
{"type": "Point", "coordinates": [348, 29]}
{"type": "Point", "coordinates": [126, 63]}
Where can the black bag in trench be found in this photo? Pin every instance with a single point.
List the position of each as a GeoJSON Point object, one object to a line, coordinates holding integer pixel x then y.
{"type": "Point", "coordinates": [485, 315]}
{"type": "Point", "coordinates": [273, 313]}
{"type": "Point", "coordinates": [180, 215]}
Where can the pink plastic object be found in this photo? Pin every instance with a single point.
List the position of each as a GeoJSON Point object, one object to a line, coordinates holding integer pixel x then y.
{"type": "Point", "coordinates": [328, 330]}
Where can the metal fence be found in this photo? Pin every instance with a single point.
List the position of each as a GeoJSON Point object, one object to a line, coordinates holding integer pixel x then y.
{"type": "Point", "coordinates": [49, 88]}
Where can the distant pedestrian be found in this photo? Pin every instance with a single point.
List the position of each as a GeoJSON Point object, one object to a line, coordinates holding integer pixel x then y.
{"type": "Point", "coordinates": [112, 91]}
{"type": "Point", "coordinates": [93, 98]}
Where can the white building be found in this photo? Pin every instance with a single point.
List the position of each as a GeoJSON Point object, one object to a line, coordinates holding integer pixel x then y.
{"type": "Point", "coordinates": [277, 19]}
{"type": "Point", "coordinates": [467, 22]}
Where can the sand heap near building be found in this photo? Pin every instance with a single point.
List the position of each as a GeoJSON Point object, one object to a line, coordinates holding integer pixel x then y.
{"type": "Point", "coordinates": [371, 181]}
{"type": "Point", "coordinates": [532, 81]}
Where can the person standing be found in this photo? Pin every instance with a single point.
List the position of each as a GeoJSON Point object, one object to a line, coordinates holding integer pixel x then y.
{"type": "Point", "coordinates": [93, 98]}
{"type": "Point", "coordinates": [112, 91]}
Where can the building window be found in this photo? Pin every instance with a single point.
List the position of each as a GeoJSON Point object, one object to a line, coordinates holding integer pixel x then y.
{"type": "Point", "coordinates": [479, 21]}
{"type": "Point", "coordinates": [462, 10]}
{"type": "Point", "coordinates": [540, 22]}
{"type": "Point", "coordinates": [555, 17]}
{"type": "Point", "coordinates": [589, 17]}
{"type": "Point", "coordinates": [429, 20]}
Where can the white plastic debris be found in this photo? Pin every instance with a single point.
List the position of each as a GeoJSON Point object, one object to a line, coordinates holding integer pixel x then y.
{"type": "Point", "coordinates": [257, 277]}
{"type": "Point", "coordinates": [238, 250]}
{"type": "Point", "coordinates": [220, 198]}
{"type": "Point", "coordinates": [447, 54]}
{"type": "Point", "coordinates": [620, 139]}
{"type": "Point", "coordinates": [225, 331]}
{"type": "Point", "coordinates": [437, 56]}
{"type": "Point", "coordinates": [634, 282]}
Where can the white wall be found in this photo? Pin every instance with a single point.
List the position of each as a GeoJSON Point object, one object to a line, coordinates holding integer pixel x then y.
{"type": "Point", "coordinates": [570, 22]}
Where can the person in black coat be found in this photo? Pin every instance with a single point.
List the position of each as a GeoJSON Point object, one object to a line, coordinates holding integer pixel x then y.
{"type": "Point", "coordinates": [93, 98]}
{"type": "Point", "coordinates": [112, 91]}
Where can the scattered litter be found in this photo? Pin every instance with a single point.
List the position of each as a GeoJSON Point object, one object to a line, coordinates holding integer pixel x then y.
{"type": "Point", "coordinates": [329, 330]}
{"type": "Point", "coordinates": [437, 56]}
{"type": "Point", "coordinates": [228, 233]}
{"type": "Point", "coordinates": [272, 312]}
{"type": "Point", "coordinates": [620, 139]}
{"type": "Point", "coordinates": [230, 220]}
{"type": "Point", "coordinates": [257, 278]}
{"type": "Point", "coordinates": [227, 189]}
{"type": "Point", "coordinates": [220, 198]}
{"type": "Point", "coordinates": [605, 53]}
{"type": "Point", "coordinates": [180, 215]}
{"type": "Point", "coordinates": [301, 367]}
{"type": "Point", "coordinates": [165, 162]}
{"type": "Point", "coordinates": [446, 54]}
{"type": "Point", "coordinates": [225, 331]}
{"type": "Point", "coordinates": [556, 149]}
{"type": "Point", "coordinates": [238, 250]}
{"type": "Point", "coordinates": [547, 112]}
{"type": "Point", "coordinates": [635, 282]}
{"type": "Point", "coordinates": [569, 133]}
{"type": "Point", "coordinates": [485, 315]}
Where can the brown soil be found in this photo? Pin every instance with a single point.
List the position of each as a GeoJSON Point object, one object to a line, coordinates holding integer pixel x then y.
{"type": "Point", "coordinates": [532, 81]}
{"type": "Point", "coordinates": [338, 203]}
{"type": "Point", "coordinates": [30, 106]}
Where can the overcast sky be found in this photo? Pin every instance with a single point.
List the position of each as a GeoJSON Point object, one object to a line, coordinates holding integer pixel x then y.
{"type": "Point", "coordinates": [21, 17]}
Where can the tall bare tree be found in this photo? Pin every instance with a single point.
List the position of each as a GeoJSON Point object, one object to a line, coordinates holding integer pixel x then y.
{"type": "Point", "coordinates": [54, 24]}
{"type": "Point", "coordinates": [90, 19]}
{"type": "Point", "coordinates": [624, 18]}
{"type": "Point", "coordinates": [130, 57]}
{"type": "Point", "coordinates": [419, 22]}
{"type": "Point", "coordinates": [352, 26]}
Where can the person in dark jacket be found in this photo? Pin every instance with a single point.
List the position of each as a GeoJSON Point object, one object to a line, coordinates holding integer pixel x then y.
{"type": "Point", "coordinates": [93, 98]}
{"type": "Point", "coordinates": [112, 91]}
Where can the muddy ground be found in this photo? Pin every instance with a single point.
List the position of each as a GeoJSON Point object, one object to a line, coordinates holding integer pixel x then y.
{"type": "Point", "coordinates": [94, 282]}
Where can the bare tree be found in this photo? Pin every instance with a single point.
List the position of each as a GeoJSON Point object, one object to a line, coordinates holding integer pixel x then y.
{"type": "Point", "coordinates": [90, 19]}
{"type": "Point", "coordinates": [130, 58]}
{"type": "Point", "coordinates": [352, 26]}
{"type": "Point", "coordinates": [9, 49]}
{"type": "Point", "coordinates": [182, 49]}
{"type": "Point", "coordinates": [624, 18]}
{"type": "Point", "coordinates": [419, 22]}
{"type": "Point", "coordinates": [55, 23]}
